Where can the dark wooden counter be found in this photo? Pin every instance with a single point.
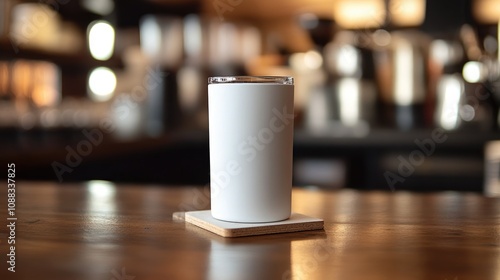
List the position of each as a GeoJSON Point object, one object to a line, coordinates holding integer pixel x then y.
{"type": "Point", "coordinates": [103, 231]}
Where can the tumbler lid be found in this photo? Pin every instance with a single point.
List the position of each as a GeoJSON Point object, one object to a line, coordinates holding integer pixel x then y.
{"type": "Point", "coordinates": [280, 80]}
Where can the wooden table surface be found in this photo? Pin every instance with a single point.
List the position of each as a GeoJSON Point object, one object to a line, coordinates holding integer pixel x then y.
{"type": "Point", "coordinates": [99, 230]}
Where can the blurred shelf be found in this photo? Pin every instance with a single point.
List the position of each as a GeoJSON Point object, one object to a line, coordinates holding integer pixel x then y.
{"type": "Point", "coordinates": [182, 157]}
{"type": "Point", "coordinates": [394, 139]}
{"type": "Point", "coordinates": [457, 163]}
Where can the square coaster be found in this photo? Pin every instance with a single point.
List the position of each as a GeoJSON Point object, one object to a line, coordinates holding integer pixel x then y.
{"type": "Point", "coordinates": [296, 222]}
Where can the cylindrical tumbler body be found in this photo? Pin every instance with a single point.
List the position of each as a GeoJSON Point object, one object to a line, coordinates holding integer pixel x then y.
{"type": "Point", "coordinates": [251, 148]}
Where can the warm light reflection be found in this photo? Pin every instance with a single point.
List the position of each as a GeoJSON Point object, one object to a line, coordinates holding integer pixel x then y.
{"type": "Point", "coordinates": [439, 51]}
{"type": "Point", "coordinates": [446, 52]}
{"type": "Point", "coordinates": [473, 72]}
{"type": "Point", "coordinates": [22, 75]}
{"type": "Point", "coordinates": [35, 81]}
{"type": "Point", "coordinates": [404, 203]}
{"type": "Point", "coordinates": [347, 204]}
{"type": "Point", "coordinates": [101, 40]}
{"type": "Point", "coordinates": [486, 11]}
{"type": "Point", "coordinates": [359, 14]}
{"type": "Point", "coordinates": [102, 84]}
{"type": "Point", "coordinates": [46, 84]}
{"type": "Point", "coordinates": [404, 71]}
{"type": "Point", "coordinates": [305, 262]}
{"type": "Point", "coordinates": [349, 91]}
{"type": "Point", "coordinates": [33, 25]}
{"type": "Point", "coordinates": [304, 205]}
{"type": "Point", "coordinates": [101, 196]}
{"type": "Point", "coordinates": [449, 96]}
{"type": "Point", "coordinates": [348, 60]}
{"type": "Point", "coordinates": [100, 224]}
{"type": "Point", "coordinates": [310, 60]}
{"type": "Point", "coordinates": [313, 60]}
{"type": "Point", "coordinates": [407, 12]}
{"type": "Point", "coordinates": [102, 189]}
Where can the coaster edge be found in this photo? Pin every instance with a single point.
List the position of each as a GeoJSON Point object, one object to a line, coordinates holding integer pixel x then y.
{"type": "Point", "coordinates": [316, 224]}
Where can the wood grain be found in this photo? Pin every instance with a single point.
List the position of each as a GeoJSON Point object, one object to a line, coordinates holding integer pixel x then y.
{"type": "Point", "coordinates": [100, 230]}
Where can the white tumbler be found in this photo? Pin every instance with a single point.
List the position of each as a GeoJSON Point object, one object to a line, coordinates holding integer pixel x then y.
{"type": "Point", "coordinates": [251, 148]}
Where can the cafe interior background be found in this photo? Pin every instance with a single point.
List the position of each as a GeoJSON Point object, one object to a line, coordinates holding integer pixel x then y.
{"type": "Point", "coordinates": [389, 95]}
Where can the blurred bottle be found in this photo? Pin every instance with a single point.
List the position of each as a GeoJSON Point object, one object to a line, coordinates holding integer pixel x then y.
{"type": "Point", "coordinates": [162, 42]}
{"type": "Point", "coordinates": [402, 77]}
{"type": "Point", "coordinates": [446, 86]}
{"type": "Point", "coordinates": [482, 75]}
{"type": "Point", "coordinates": [350, 91]}
{"type": "Point", "coordinates": [193, 74]}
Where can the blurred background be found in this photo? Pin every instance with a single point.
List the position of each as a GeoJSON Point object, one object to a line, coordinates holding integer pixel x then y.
{"type": "Point", "coordinates": [389, 94]}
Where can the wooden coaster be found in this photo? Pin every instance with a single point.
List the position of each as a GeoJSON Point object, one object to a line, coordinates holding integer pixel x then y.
{"type": "Point", "coordinates": [296, 222]}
